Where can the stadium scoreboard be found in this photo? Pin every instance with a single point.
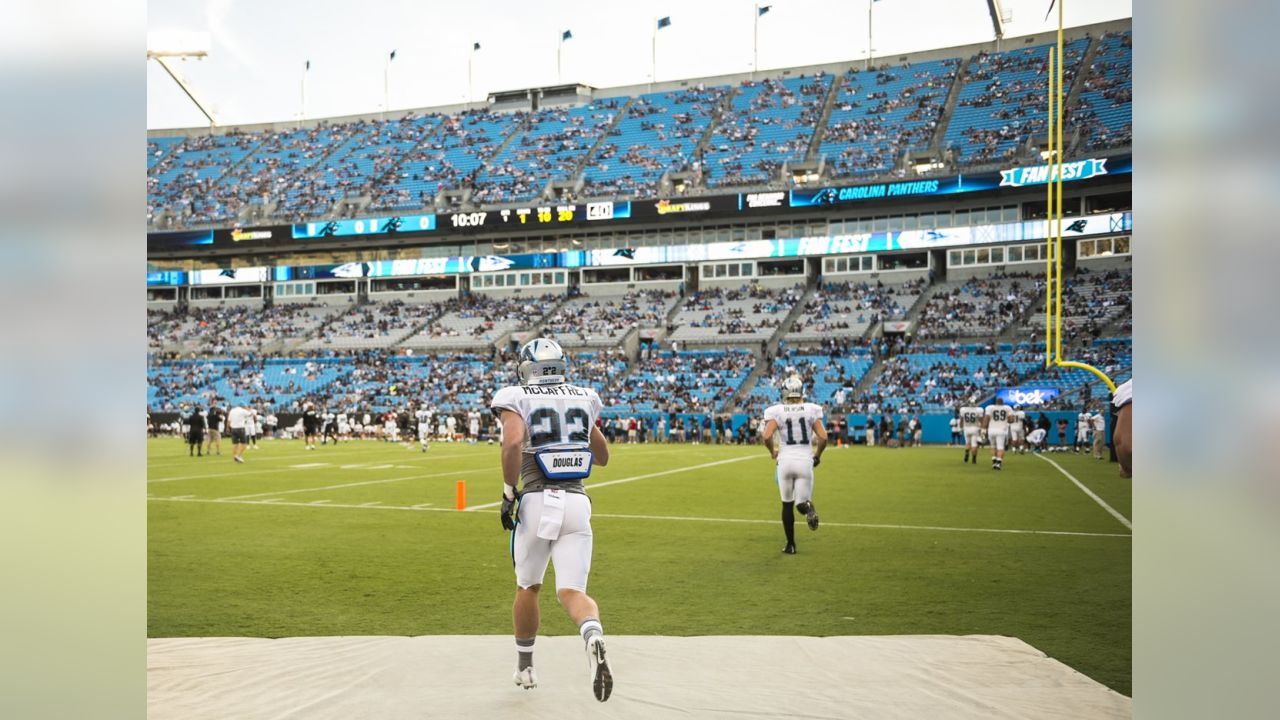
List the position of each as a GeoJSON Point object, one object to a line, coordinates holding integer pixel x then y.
{"type": "Point", "coordinates": [541, 215]}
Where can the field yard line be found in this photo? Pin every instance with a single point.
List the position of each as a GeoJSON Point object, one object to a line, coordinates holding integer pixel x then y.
{"type": "Point", "coordinates": [312, 466]}
{"type": "Point", "coordinates": [336, 487]}
{"type": "Point", "coordinates": [246, 471]}
{"type": "Point", "coordinates": [288, 503]}
{"type": "Point", "coordinates": [868, 525]}
{"type": "Point", "coordinates": [593, 486]}
{"type": "Point", "coordinates": [1123, 521]}
{"type": "Point", "coordinates": [752, 521]}
{"type": "Point", "coordinates": [318, 455]}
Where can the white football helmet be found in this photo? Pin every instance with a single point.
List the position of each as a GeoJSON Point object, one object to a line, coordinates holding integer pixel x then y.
{"type": "Point", "coordinates": [541, 363]}
{"type": "Point", "coordinates": [793, 388]}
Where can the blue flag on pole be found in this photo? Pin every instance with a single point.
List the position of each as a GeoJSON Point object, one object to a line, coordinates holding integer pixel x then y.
{"type": "Point", "coordinates": [764, 9]}
{"type": "Point", "coordinates": [566, 35]}
{"type": "Point", "coordinates": [663, 22]}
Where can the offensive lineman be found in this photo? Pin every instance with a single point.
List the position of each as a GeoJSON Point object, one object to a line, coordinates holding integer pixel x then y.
{"type": "Point", "coordinates": [550, 441]}
{"type": "Point", "coordinates": [971, 420]}
{"type": "Point", "coordinates": [996, 425]}
{"type": "Point", "coordinates": [796, 455]}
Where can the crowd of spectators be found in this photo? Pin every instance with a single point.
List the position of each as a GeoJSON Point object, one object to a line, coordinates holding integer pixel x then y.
{"type": "Point", "coordinates": [848, 308]}
{"type": "Point", "coordinates": [748, 310]}
{"type": "Point", "coordinates": [402, 163]}
{"type": "Point", "coordinates": [979, 306]}
{"type": "Point", "coordinates": [588, 320]}
{"type": "Point", "coordinates": [1003, 99]}
{"type": "Point", "coordinates": [475, 319]}
{"type": "Point", "coordinates": [874, 120]}
{"type": "Point", "coordinates": [1091, 302]}
{"type": "Point", "coordinates": [380, 323]}
{"type": "Point", "coordinates": [770, 121]}
{"type": "Point", "coordinates": [681, 382]}
{"type": "Point", "coordinates": [657, 134]}
{"type": "Point", "coordinates": [550, 148]}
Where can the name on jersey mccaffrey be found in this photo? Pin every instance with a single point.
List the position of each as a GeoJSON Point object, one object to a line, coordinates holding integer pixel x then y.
{"type": "Point", "coordinates": [553, 390]}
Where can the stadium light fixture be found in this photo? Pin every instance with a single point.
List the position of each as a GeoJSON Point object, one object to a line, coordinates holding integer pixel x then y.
{"type": "Point", "coordinates": [163, 45]}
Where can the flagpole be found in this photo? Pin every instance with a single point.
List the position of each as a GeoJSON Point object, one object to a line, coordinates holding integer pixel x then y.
{"type": "Point", "coordinates": [559, 49]}
{"type": "Point", "coordinates": [755, 44]}
{"type": "Point", "coordinates": [386, 87]}
{"type": "Point", "coordinates": [653, 67]}
{"type": "Point", "coordinates": [470, 60]}
{"type": "Point", "coordinates": [870, 47]}
{"type": "Point", "coordinates": [302, 110]}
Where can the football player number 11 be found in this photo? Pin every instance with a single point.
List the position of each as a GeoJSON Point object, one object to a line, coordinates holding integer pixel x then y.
{"type": "Point", "coordinates": [546, 426]}
{"type": "Point", "coordinates": [791, 436]}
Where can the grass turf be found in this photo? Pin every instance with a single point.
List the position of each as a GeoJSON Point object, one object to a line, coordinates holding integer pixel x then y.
{"type": "Point", "coordinates": [329, 542]}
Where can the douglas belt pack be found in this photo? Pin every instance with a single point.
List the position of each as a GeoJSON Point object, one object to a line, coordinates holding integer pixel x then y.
{"type": "Point", "coordinates": [564, 464]}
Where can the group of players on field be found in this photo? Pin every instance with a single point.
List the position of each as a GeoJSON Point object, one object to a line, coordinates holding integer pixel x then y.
{"type": "Point", "coordinates": [421, 423]}
{"type": "Point", "coordinates": [1003, 427]}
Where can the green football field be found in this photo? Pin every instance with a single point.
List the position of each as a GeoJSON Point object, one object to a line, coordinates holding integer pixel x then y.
{"type": "Point", "coordinates": [363, 539]}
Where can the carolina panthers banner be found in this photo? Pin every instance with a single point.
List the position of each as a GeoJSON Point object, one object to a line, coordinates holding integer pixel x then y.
{"type": "Point", "coordinates": [830, 196]}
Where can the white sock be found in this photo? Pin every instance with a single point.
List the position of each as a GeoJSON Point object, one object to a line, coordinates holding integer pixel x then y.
{"type": "Point", "coordinates": [589, 627]}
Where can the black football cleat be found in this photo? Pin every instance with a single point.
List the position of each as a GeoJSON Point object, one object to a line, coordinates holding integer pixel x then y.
{"type": "Point", "coordinates": [790, 549]}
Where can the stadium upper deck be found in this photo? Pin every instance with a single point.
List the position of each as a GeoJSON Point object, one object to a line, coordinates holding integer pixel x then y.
{"type": "Point", "coordinates": [964, 107]}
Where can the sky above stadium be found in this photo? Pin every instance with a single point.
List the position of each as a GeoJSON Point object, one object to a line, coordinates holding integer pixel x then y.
{"type": "Point", "coordinates": [258, 51]}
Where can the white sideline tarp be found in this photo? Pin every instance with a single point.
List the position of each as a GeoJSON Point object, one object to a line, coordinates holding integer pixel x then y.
{"type": "Point", "coordinates": [469, 676]}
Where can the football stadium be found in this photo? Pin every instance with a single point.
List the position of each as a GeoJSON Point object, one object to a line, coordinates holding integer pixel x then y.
{"type": "Point", "coordinates": [398, 359]}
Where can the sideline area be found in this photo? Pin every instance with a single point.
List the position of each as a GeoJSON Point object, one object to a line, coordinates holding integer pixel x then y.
{"type": "Point", "coordinates": [396, 678]}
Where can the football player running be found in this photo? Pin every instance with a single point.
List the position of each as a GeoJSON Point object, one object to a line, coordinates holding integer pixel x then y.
{"type": "Point", "coordinates": [423, 416]}
{"type": "Point", "coordinates": [550, 442]}
{"type": "Point", "coordinates": [798, 426]}
{"type": "Point", "coordinates": [996, 424]}
{"type": "Point", "coordinates": [971, 421]}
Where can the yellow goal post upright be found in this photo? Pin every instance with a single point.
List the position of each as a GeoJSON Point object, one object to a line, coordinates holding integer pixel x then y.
{"type": "Point", "coordinates": [1053, 217]}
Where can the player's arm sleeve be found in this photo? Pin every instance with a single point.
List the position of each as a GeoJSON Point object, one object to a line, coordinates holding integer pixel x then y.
{"type": "Point", "coordinates": [504, 399]}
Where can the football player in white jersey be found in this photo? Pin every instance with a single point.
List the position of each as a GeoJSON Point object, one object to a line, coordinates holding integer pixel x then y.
{"type": "Point", "coordinates": [971, 421]}
{"type": "Point", "coordinates": [1018, 431]}
{"type": "Point", "coordinates": [996, 422]}
{"type": "Point", "coordinates": [423, 416]}
{"type": "Point", "coordinates": [473, 426]}
{"type": "Point", "coordinates": [1035, 439]}
{"type": "Point", "coordinates": [798, 426]}
{"type": "Point", "coordinates": [1084, 422]}
{"type": "Point", "coordinates": [550, 442]}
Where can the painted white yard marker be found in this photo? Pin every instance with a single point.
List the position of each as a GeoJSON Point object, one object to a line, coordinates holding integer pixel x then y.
{"type": "Point", "coordinates": [1123, 520]}
{"type": "Point", "coordinates": [633, 478]}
